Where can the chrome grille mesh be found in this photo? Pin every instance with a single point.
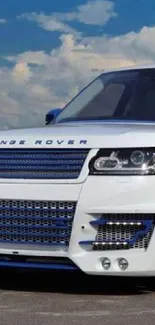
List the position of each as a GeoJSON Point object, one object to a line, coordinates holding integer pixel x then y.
{"type": "Point", "coordinates": [111, 234]}
{"type": "Point", "coordinates": [36, 222]}
{"type": "Point", "coordinates": [41, 163]}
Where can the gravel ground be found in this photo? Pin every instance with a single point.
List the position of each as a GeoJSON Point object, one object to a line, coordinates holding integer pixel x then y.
{"type": "Point", "coordinates": [43, 298]}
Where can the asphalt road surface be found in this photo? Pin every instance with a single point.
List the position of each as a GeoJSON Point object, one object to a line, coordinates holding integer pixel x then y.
{"type": "Point", "coordinates": [47, 298]}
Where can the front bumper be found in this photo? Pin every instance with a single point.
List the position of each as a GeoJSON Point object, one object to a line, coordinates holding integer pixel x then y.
{"type": "Point", "coordinates": [97, 195]}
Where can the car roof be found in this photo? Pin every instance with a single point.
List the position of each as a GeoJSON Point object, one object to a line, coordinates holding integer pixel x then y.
{"type": "Point", "coordinates": [132, 67]}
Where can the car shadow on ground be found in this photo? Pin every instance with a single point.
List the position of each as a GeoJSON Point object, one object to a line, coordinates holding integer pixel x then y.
{"type": "Point", "coordinates": [72, 283]}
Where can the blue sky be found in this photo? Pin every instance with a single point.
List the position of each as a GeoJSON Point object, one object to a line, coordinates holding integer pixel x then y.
{"type": "Point", "coordinates": [19, 36]}
{"type": "Point", "coordinates": [50, 49]}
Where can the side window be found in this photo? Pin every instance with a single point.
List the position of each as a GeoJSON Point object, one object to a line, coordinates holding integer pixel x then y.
{"type": "Point", "coordinates": [142, 106]}
{"type": "Point", "coordinates": [105, 103]}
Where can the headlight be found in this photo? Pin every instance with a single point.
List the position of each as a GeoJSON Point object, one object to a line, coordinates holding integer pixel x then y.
{"type": "Point", "coordinates": [123, 162]}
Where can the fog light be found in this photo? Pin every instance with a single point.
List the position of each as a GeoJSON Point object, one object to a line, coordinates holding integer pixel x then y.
{"type": "Point", "coordinates": [106, 263]}
{"type": "Point", "coordinates": [123, 264]}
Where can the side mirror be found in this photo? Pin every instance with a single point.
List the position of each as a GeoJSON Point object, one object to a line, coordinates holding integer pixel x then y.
{"type": "Point", "coordinates": [51, 115]}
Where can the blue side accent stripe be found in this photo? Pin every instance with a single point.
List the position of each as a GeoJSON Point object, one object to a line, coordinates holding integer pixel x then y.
{"type": "Point", "coordinates": [33, 234]}
{"type": "Point", "coordinates": [38, 266]}
{"type": "Point", "coordinates": [58, 220]}
{"type": "Point", "coordinates": [37, 243]}
{"type": "Point", "coordinates": [15, 227]}
{"type": "Point", "coordinates": [45, 163]}
{"type": "Point", "coordinates": [28, 167]}
{"type": "Point", "coordinates": [35, 209]}
{"type": "Point", "coordinates": [103, 222]}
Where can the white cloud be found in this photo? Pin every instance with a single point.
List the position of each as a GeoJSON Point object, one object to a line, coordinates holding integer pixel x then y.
{"type": "Point", "coordinates": [38, 58]}
{"type": "Point", "coordinates": [3, 21]}
{"type": "Point", "coordinates": [39, 80]}
{"type": "Point", "coordinates": [138, 46]}
{"type": "Point", "coordinates": [21, 73]}
{"type": "Point", "coordinates": [48, 22]}
{"type": "Point", "coordinates": [97, 12]}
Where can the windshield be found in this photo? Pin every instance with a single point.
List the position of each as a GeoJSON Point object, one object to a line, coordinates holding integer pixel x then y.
{"type": "Point", "coordinates": [121, 95]}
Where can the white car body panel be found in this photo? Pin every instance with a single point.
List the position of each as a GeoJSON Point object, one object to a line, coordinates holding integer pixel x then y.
{"type": "Point", "coordinates": [95, 195]}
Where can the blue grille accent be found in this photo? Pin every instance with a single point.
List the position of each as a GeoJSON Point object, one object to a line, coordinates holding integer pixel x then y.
{"type": "Point", "coordinates": [121, 231]}
{"type": "Point", "coordinates": [36, 222]}
{"type": "Point", "coordinates": [41, 163]}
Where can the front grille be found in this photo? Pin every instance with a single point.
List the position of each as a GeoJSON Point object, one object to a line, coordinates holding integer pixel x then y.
{"type": "Point", "coordinates": [41, 163]}
{"type": "Point", "coordinates": [123, 231]}
{"type": "Point", "coordinates": [36, 222]}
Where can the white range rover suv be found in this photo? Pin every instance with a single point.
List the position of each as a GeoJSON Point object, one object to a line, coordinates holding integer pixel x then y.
{"type": "Point", "coordinates": [79, 193]}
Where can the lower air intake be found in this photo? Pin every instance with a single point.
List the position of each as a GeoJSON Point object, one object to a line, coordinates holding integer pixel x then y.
{"type": "Point", "coordinates": [36, 222]}
{"type": "Point", "coordinates": [123, 231]}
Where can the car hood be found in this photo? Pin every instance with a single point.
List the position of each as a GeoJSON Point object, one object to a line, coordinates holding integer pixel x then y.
{"type": "Point", "coordinates": [81, 135]}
